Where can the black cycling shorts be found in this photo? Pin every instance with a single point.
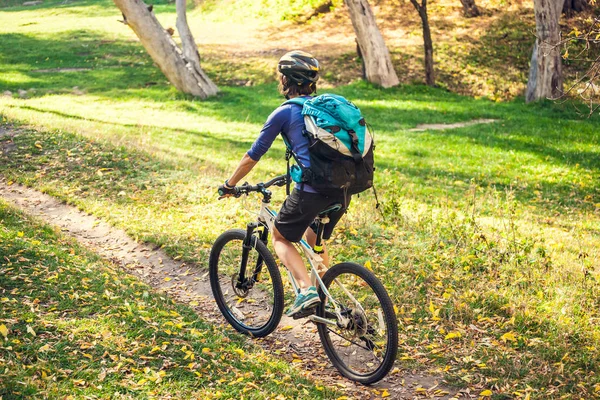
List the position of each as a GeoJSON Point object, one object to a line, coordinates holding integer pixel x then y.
{"type": "Point", "coordinates": [299, 211]}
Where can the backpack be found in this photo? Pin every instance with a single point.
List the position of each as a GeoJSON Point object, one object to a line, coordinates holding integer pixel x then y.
{"type": "Point", "coordinates": [340, 148]}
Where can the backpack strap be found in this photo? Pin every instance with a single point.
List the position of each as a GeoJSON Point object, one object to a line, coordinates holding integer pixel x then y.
{"type": "Point", "coordinates": [288, 155]}
{"type": "Point", "coordinates": [288, 152]}
{"type": "Point", "coordinates": [356, 154]}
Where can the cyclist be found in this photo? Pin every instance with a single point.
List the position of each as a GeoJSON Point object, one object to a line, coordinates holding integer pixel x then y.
{"type": "Point", "coordinates": [298, 75]}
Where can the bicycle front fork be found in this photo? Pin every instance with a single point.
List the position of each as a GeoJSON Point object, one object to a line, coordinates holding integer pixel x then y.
{"type": "Point", "coordinates": [244, 282]}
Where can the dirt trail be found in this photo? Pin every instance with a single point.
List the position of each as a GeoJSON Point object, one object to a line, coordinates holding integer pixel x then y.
{"type": "Point", "coordinates": [189, 284]}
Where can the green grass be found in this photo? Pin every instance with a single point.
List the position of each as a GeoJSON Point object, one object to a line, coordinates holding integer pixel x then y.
{"type": "Point", "coordinates": [489, 245]}
{"type": "Point", "coordinates": [78, 326]}
{"type": "Point", "coordinates": [267, 11]}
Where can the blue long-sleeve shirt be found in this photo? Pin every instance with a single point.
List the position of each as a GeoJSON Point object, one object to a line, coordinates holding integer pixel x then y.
{"type": "Point", "coordinates": [289, 121]}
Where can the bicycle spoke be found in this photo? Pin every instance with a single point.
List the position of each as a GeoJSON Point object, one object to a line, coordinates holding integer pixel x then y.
{"type": "Point", "coordinates": [363, 345]}
{"type": "Point", "coordinates": [249, 302]}
{"type": "Point", "coordinates": [354, 343]}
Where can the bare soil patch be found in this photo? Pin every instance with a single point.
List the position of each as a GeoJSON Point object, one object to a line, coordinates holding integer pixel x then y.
{"type": "Point", "coordinates": [7, 145]}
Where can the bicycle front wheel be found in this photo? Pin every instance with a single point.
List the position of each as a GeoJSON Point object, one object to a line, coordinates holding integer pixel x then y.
{"type": "Point", "coordinates": [247, 289]}
{"type": "Point", "coordinates": [364, 343]}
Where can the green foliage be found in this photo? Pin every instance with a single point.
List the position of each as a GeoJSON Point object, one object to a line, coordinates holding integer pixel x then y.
{"type": "Point", "coordinates": [265, 10]}
{"type": "Point", "coordinates": [473, 215]}
{"type": "Point", "coordinates": [489, 241]}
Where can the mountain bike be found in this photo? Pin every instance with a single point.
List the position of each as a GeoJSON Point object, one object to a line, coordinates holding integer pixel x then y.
{"type": "Point", "coordinates": [355, 319]}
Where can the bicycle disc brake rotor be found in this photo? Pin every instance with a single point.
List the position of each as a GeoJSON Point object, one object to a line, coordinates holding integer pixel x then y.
{"type": "Point", "coordinates": [240, 291]}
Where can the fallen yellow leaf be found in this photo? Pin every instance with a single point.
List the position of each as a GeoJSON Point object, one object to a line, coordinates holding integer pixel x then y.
{"type": "Point", "coordinates": [486, 393]}
{"type": "Point", "coordinates": [31, 331]}
{"type": "Point", "coordinates": [286, 328]}
{"type": "Point", "coordinates": [509, 336]}
{"type": "Point", "coordinates": [3, 330]}
{"type": "Point", "coordinates": [239, 351]}
{"type": "Point", "coordinates": [453, 335]}
{"type": "Point", "coordinates": [44, 348]}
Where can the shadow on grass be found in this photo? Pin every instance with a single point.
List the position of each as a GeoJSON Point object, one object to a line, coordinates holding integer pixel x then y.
{"type": "Point", "coordinates": [558, 145]}
{"type": "Point", "coordinates": [82, 58]}
{"type": "Point", "coordinates": [433, 184]}
{"type": "Point", "coordinates": [512, 31]}
{"type": "Point", "coordinates": [100, 7]}
{"type": "Point", "coordinates": [219, 142]}
{"type": "Point", "coordinates": [121, 71]}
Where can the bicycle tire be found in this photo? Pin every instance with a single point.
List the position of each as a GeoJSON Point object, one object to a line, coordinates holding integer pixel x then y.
{"type": "Point", "coordinates": [263, 314]}
{"type": "Point", "coordinates": [364, 329]}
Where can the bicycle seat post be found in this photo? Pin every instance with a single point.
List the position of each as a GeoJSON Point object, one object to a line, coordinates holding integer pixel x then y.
{"type": "Point", "coordinates": [321, 221]}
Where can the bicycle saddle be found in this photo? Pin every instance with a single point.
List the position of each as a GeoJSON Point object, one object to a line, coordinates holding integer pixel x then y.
{"type": "Point", "coordinates": [332, 208]}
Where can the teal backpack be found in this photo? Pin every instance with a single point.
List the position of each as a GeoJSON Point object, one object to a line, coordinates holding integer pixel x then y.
{"type": "Point", "coordinates": [340, 148]}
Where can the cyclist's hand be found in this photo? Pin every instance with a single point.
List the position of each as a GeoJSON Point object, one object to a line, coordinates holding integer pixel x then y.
{"type": "Point", "coordinates": [227, 191]}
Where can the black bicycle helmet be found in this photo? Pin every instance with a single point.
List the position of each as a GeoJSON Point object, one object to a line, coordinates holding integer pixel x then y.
{"type": "Point", "coordinates": [300, 67]}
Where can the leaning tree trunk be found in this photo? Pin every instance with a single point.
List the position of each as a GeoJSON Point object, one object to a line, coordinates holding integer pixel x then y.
{"type": "Point", "coordinates": [545, 73]}
{"type": "Point", "coordinates": [183, 72]}
{"type": "Point", "coordinates": [378, 63]}
{"type": "Point", "coordinates": [470, 8]}
{"type": "Point", "coordinates": [188, 44]}
{"type": "Point", "coordinates": [427, 42]}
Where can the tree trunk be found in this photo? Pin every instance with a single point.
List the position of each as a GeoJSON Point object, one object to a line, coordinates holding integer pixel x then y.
{"type": "Point", "coordinates": [185, 74]}
{"type": "Point", "coordinates": [470, 8]}
{"type": "Point", "coordinates": [378, 63]}
{"type": "Point", "coordinates": [572, 6]}
{"type": "Point", "coordinates": [427, 42]}
{"type": "Point", "coordinates": [545, 74]}
{"type": "Point", "coordinates": [188, 44]}
{"type": "Point", "coordinates": [363, 70]}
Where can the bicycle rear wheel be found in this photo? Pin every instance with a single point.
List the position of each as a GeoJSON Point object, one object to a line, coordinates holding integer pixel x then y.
{"type": "Point", "coordinates": [364, 344]}
{"type": "Point", "coordinates": [252, 303]}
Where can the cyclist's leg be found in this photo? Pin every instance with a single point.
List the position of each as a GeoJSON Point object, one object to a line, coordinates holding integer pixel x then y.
{"type": "Point", "coordinates": [297, 213]}
{"type": "Point", "coordinates": [307, 297]}
{"type": "Point", "coordinates": [289, 256]}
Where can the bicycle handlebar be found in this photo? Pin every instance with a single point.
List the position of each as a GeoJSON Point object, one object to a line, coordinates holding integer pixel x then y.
{"type": "Point", "coordinates": [260, 187]}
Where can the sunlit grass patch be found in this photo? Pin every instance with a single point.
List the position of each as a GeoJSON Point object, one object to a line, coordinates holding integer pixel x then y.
{"type": "Point", "coordinates": [483, 280]}
{"type": "Point", "coordinates": [489, 245]}
{"type": "Point", "coordinates": [72, 324]}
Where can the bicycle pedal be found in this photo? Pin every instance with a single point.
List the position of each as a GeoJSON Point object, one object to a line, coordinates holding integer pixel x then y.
{"type": "Point", "coordinates": [304, 313]}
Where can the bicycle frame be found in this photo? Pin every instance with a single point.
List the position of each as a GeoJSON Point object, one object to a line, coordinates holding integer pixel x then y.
{"type": "Point", "coordinates": [266, 217]}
